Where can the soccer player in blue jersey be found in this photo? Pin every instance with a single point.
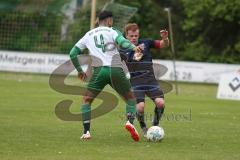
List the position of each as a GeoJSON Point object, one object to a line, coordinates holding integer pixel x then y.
{"type": "Point", "coordinates": [142, 78]}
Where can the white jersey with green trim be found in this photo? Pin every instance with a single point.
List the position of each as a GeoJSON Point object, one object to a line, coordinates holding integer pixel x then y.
{"type": "Point", "coordinates": [102, 48]}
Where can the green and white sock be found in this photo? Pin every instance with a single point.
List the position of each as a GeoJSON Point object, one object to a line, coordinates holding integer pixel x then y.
{"type": "Point", "coordinates": [131, 110]}
{"type": "Point", "coordinates": [86, 116]}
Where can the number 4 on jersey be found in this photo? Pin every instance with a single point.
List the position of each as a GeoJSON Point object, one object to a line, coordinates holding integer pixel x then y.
{"type": "Point", "coordinates": [101, 44]}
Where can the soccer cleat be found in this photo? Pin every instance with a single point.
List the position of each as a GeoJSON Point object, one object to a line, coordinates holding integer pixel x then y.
{"type": "Point", "coordinates": [86, 136]}
{"type": "Point", "coordinates": [131, 129]}
{"type": "Point", "coordinates": [144, 131]}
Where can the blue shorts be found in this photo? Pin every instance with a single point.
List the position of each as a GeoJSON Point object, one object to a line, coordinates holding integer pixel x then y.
{"type": "Point", "coordinates": [152, 91]}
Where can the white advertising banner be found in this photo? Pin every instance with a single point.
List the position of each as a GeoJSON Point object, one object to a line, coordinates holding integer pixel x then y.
{"type": "Point", "coordinates": [47, 63]}
{"type": "Point", "coordinates": [229, 87]}
{"type": "Point", "coordinates": [197, 71]}
{"type": "Point", "coordinates": [30, 62]}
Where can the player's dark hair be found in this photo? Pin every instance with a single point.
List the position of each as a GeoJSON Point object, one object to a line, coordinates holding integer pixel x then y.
{"type": "Point", "coordinates": [104, 14]}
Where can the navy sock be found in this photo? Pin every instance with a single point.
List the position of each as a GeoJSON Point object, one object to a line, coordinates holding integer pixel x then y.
{"type": "Point", "coordinates": [158, 112]}
{"type": "Point", "coordinates": [140, 117]}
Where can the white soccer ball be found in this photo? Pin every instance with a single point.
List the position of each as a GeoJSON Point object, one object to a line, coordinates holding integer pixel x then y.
{"type": "Point", "coordinates": [155, 133]}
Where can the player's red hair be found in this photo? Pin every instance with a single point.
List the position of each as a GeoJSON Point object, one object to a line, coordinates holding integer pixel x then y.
{"type": "Point", "coordinates": [130, 27]}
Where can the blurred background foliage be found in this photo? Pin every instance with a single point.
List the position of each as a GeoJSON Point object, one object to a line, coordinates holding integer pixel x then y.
{"type": "Point", "coordinates": [204, 30]}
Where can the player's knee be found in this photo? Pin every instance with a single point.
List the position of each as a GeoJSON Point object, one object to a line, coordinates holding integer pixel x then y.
{"type": "Point", "coordinates": [130, 95]}
{"type": "Point", "coordinates": [159, 102]}
{"type": "Point", "coordinates": [140, 107]}
{"type": "Point", "coordinates": [87, 99]}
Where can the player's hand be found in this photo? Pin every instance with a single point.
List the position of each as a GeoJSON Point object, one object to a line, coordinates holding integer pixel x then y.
{"type": "Point", "coordinates": [137, 56]}
{"type": "Point", "coordinates": [82, 76]}
{"type": "Point", "coordinates": [164, 34]}
{"type": "Point", "coordinates": [137, 49]}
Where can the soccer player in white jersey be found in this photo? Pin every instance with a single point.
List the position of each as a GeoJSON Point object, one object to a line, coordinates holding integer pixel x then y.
{"type": "Point", "coordinates": [101, 43]}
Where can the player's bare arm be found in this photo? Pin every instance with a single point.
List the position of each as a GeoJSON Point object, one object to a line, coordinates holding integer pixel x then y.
{"type": "Point", "coordinates": [165, 41]}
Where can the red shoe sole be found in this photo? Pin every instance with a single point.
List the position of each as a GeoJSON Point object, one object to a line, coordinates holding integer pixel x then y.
{"type": "Point", "coordinates": [134, 135]}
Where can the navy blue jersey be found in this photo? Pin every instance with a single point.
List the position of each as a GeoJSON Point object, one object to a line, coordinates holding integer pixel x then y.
{"type": "Point", "coordinates": [142, 69]}
{"type": "Point", "coordinates": [127, 55]}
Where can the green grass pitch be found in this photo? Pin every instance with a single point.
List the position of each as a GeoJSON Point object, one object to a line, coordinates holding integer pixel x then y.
{"type": "Point", "coordinates": [197, 125]}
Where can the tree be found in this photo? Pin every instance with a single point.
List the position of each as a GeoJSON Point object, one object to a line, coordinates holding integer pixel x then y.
{"type": "Point", "coordinates": [212, 30]}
